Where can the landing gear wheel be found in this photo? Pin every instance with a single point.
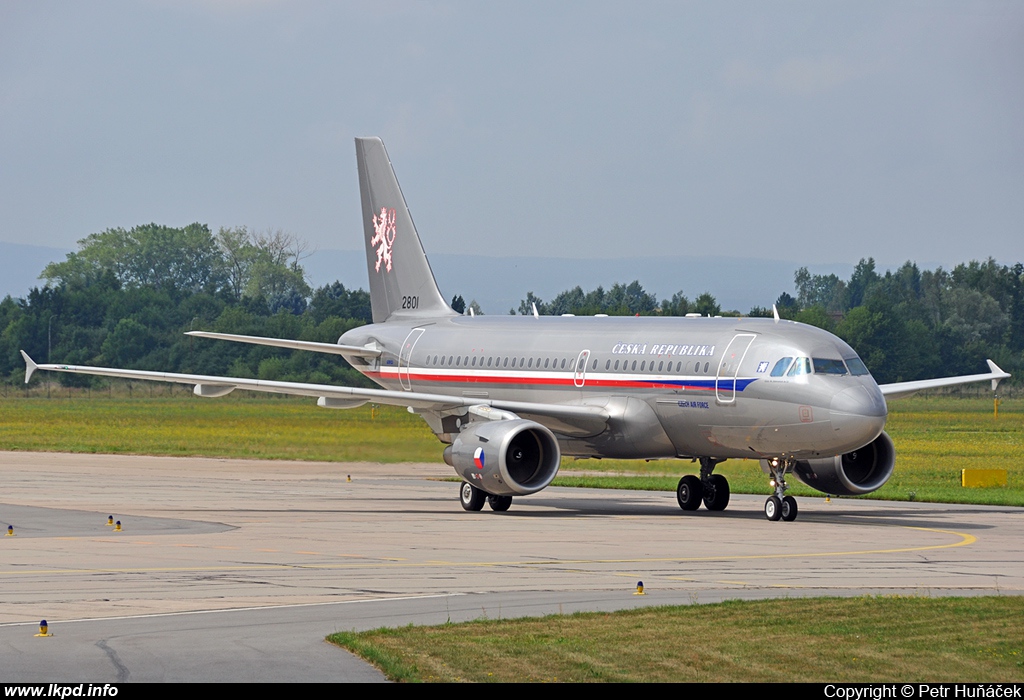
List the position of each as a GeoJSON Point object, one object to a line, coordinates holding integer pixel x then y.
{"type": "Point", "coordinates": [716, 497]}
{"type": "Point", "coordinates": [499, 504]}
{"type": "Point", "coordinates": [472, 498]}
{"type": "Point", "coordinates": [773, 508]}
{"type": "Point", "coordinates": [689, 492]}
{"type": "Point", "coordinates": [789, 509]}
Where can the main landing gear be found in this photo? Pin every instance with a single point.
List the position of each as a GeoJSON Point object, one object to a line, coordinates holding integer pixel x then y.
{"type": "Point", "coordinates": [473, 499]}
{"type": "Point", "coordinates": [779, 506]}
{"type": "Point", "coordinates": [713, 490]}
{"type": "Point", "coordinates": [710, 489]}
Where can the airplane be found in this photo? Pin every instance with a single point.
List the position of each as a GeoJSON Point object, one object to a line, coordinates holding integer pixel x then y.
{"type": "Point", "coordinates": [509, 395]}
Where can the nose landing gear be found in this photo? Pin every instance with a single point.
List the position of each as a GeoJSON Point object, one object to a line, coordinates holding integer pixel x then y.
{"type": "Point", "coordinates": [779, 506]}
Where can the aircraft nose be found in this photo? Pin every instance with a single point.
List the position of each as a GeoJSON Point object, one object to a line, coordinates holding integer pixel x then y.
{"type": "Point", "coordinates": [859, 412]}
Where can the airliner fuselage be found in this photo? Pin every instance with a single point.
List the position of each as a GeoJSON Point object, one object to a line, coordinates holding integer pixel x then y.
{"type": "Point", "coordinates": [675, 387]}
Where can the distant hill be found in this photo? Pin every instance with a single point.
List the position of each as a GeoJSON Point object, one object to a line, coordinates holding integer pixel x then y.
{"type": "Point", "coordinates": [499, 283]}
{"type": "Point", "coordinates": [20, 266]}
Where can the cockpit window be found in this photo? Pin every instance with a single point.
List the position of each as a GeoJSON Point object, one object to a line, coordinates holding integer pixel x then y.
{"type": "Point", "coordinates": [801, 366]}
{"type": "Point", "coordinates": [781, 366]}
{"type": "Point", "coordinates": [827, 366]}
{"type": "Point", "coordinates": [856, 366]}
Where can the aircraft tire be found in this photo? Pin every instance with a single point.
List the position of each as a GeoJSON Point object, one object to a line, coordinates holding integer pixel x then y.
{"type": "Point", "coordinates": [773, 508]}
{"type": "Point", "coordinates": [717, 497]}
{"type": "Point", "coordinates": [499, 504]}
{"type": "Point", "coordinates": [471, 497]}
{"type": "Point", "coordinates": [689, 492]}
{"type": "Point", "coordinates": [789, 509]}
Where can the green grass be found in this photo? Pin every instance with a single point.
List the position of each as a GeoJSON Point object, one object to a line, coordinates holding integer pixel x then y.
{"type": "Point", "coordinates": [868, 639]}
{"type": "Point", "coordinates": [182, 425]}
{"type": "Point", "coordinates": [935, 438]}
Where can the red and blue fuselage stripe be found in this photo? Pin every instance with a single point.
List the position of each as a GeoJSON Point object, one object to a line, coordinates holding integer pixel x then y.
{"type": "Point", "coordinates": [418, 376]}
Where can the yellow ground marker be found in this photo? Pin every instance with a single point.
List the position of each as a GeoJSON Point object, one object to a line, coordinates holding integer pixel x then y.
{"type": "Point", "coordinates": [974, 478]}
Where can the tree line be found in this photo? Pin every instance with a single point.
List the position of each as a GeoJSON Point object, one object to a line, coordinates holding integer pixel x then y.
{"type": "Point", "coordinates": [905, 324]}
{"type": "Point", "coordinates": [125, 297]}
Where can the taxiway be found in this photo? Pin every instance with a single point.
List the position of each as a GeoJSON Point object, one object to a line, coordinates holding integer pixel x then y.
{"type": "Point", "coordinates": [236, 569]}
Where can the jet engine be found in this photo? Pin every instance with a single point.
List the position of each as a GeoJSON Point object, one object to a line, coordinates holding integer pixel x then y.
{"type": "Point", "coordinates": [852, 474]}
{"type": "Point", "coordinates": [505, 457]}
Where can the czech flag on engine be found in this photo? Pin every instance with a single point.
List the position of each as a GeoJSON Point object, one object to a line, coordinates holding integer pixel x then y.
{"type": "Point", "coordinates": [478, 458]}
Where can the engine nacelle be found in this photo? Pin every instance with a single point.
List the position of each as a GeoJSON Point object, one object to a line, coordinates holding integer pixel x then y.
{"type": "Point", "coordinates": [852, 474]}
{"type": "Point", "coordinates": [505, 457]}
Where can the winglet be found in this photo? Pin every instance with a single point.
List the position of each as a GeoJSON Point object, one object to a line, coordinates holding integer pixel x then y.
{"type": "Point", "coordinates": [30, 366]}
{"type": "Point", "coordinates": [994, 368]}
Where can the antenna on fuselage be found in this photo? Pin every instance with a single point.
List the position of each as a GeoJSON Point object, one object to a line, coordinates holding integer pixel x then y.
{"type": "Point", "coordinates": [535, 314]}
{"type": "Point", "coordinates": [775, 312]}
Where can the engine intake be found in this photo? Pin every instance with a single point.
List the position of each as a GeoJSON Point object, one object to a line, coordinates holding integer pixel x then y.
{"type": "Point", "coordinates": [851, 474]}
{"type": "Point", "coordinates": [505, 457]}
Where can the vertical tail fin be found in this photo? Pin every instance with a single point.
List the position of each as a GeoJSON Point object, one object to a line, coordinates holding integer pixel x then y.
{"type": "Point", "coordinates": [401, 283]}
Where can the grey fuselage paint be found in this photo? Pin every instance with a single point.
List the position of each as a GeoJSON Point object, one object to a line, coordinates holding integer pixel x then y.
{"type": "Point", "coordinates": [673, 387]}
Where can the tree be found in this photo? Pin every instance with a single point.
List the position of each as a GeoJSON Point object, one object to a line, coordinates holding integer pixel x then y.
{"type": "Point", "coordinates": [827, 291]}
{"type": "Point", "coordinates": [862, 280]}
{"type": "Point", "coordinates": [678, 305]}
{"type": "Point", "coordinates": [527, 304]}
{"type": "Point", "coordinates": [178, 260]}
{"type": "Point", "coordinates": [706, 305]}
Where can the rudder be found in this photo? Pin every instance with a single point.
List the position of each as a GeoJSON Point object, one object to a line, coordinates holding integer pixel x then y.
{"type": "Point", "coordinates": [401, 282]}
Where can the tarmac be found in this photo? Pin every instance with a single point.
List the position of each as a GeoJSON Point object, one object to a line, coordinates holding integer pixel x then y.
{"type": "Point", "coordinates": [235, 570]}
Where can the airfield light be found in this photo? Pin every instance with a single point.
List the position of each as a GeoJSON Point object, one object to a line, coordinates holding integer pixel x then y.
{"type": "Point", "coordinates": [639, 588]}
{"type": "Point", "coordinates": [43, 629]}
{"type": "Point", "coordinates": [10, 531]}
{"type": "Point", "coordinates": [110, 520]}
{"type": "Point", "coordinates": [117, 526]}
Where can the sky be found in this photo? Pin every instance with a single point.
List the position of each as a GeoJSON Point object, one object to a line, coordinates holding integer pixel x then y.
{"type": "Point", "coordinates": [802, 131]}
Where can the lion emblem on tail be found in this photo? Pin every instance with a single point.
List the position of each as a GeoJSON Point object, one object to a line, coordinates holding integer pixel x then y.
{"type": "Point", "coordinates": [384, 235]}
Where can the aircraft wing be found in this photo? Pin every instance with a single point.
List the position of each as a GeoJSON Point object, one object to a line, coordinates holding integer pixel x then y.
{"type": "Point", "coordinates": [332, 348]}
{"type": "Point", "coordinates": [591, 418]}
{"type": "Point", "coordinates": [901, 389]}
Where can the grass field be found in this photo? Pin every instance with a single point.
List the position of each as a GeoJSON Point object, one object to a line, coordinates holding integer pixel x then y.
{"type": "Point", "coordinates": [935, 438]}
{"type": "Point", "coordinates": [894, 639]}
